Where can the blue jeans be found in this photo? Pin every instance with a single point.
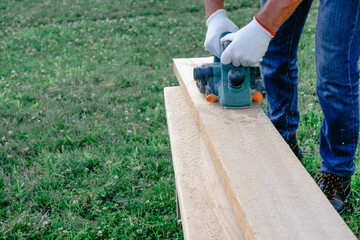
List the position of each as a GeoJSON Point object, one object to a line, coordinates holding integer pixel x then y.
{"type": "Point", "coordinates": [337, 54]}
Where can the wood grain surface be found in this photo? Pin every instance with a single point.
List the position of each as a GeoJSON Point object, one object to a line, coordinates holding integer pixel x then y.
{"type": "Point", "coordinates": [205, 210]}
{"type": "Point", "coordinates": [271, 193]}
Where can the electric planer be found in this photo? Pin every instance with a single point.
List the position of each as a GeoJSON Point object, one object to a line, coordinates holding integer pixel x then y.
{"type": "Point", "coordinates": [229, 85]}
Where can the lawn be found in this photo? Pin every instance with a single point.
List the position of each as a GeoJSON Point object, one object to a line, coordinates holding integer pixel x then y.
{"type": "Point", "coordinates": [84, 147]}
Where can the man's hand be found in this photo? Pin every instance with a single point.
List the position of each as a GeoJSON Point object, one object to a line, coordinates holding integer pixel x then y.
{"type": "Point", "coordinates": [217, 24]}
{"type": "Point", "coordinates": [248, 45]}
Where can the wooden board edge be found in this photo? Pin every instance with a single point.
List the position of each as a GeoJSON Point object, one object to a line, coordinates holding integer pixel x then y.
{"type": "Point", "coordinates": [249, 234]}
{"type": "Point", "coordinates": [224, 214]}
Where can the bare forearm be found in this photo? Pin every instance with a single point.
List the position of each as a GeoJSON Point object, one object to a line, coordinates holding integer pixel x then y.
{"type": "Point", "coordinates": [275, 12]}
{"type": "Point", "coordinates": [272, 15]}
{"type": "Point", "coordinates": [212, 6]}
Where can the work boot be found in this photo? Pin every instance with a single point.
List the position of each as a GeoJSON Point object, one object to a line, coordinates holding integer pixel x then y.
{"type": "Point", "coordinates": [337, 189]}
{"type": "Point", "coordinates": [294, 145]}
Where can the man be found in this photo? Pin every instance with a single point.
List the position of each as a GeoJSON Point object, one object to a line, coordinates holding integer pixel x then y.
{"type": "Point", "coordinates": [271, 39]}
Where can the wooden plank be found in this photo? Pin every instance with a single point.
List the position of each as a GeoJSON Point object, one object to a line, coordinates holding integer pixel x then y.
{"type": "Point", "coordinates": [205, 210]}
{"type": "Point", "coordinates": [271, 193]}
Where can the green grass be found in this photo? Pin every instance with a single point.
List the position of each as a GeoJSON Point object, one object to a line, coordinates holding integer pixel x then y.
{"type": "Point", "coordinates": [84, 148]}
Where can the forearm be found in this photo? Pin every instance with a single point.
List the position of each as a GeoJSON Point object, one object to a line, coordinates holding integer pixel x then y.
{"type": "Point", "coordinates": [212, 6]}
{"type": "Point", "coordinates": [275, 12]}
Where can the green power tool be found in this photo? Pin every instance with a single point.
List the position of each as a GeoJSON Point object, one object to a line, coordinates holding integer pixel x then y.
{"type": "Point", "coordinates": [229, 85]}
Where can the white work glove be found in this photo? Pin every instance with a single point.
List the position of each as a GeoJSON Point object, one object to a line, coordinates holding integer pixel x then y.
{"type": "Point", "coordinates": [217, 24]}
{"type": "Point", "coordinates": [248, 45]}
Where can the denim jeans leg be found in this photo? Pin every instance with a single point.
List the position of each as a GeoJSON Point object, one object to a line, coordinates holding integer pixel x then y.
{"type": "Point", "coordinates": [280, 72]}
{"type": "Point", "coordinates": [337, 54]}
